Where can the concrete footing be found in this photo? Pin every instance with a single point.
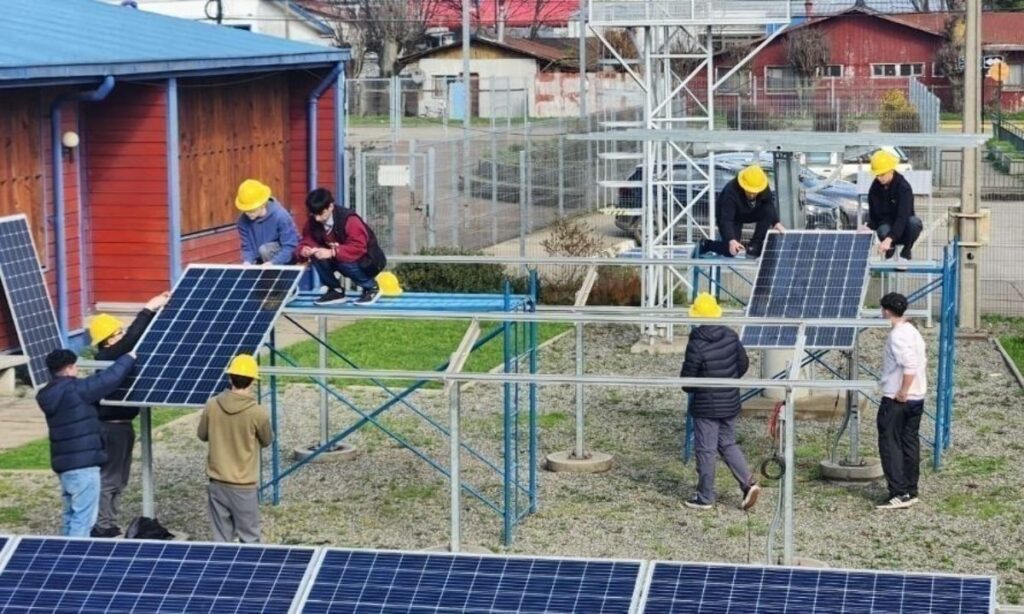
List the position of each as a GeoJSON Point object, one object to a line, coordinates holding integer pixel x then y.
{"type": "Point", "coordinates": [801, 561]}
{"type": "Point", "coordinates": [339, 453]}
{"type": "Point", "coordinates": [565, 462]}
{"type": "Point", "coordinates": [869, 469]}
{"type": "Point", "coordinates": [813, 407]}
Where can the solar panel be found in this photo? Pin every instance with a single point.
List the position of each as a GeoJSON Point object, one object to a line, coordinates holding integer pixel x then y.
{"type": "Point", "coordinates": [80, 575]}
{"type": "Point", "coordinates": [809, 274]}
{"type": "Point", "coordinates": [22, 279]}
{"type": "Point", "coordinates": [684, 588]}
{"type": "Point", "coordinates": [215, 312]}
{"type": "Point", "coordinates": [354, 581]}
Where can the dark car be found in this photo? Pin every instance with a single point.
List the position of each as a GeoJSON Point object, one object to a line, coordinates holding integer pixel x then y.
{"type": "Point", "coordinates": [824, 206]}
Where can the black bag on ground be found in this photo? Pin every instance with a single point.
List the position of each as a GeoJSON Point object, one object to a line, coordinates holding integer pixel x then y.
{"type": "Point", "coordinates": [147, 528]}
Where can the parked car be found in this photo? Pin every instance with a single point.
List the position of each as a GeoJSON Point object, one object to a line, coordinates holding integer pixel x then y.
{"type": "Point", "coordinates": [852, 163]}
{"type": "Point", "coordinates": [823, 205]}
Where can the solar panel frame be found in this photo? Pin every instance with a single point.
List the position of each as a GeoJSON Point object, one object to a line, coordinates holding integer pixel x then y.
{"type": "Point", "coordinates": [132, 393]}
{"type": "Point", "coordinates": [819, 337]}
{"type": "Point", "coordinates": [801, 607]}
{"type": "Point", "coordinates": [257, 594]}
{"type": "Point", "coordinates": [317, 606]}
{"type": "Point", "coordinates": [38, 372]}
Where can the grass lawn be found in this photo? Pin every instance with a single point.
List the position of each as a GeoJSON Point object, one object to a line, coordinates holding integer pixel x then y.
{"type": "Point", "coordinates": [407, 344]}
{"type": "Point", "coordinates": [1011, 336]}
{"type": "Point", "coordinates": [36, 454]}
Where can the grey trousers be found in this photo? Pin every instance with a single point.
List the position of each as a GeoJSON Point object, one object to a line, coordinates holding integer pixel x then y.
{"type": "Point", "coordinates": [713, 437]}
{"type": "Point", "coordinates": [119, 439]}
{"type": "Point", "coordinates": [268, 251]}
{"type": "Point", "coordinates": [234, 512]}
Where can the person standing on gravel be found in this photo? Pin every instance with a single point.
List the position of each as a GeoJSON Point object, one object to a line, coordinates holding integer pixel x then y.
{"type": "Point", "coordinates": [904, 365]}
{"type": "Point", "coordinates": [236, 427]}
{"type": "Point", "coordinates": [716, 351]}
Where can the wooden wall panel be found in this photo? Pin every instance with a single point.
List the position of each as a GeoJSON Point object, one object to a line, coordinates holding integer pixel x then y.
{"type": "Point", "coordinates": [229, 131]}
{"type": "Point", "coordinates": [22, 177]}
{"type": "Point", "coordinates": [127, 194]}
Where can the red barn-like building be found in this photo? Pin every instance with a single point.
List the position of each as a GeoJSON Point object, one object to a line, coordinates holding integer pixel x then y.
{"type": "Point", "coordinates": [871, 51]}
{"type": "Point", "coordinates": [171, 116]}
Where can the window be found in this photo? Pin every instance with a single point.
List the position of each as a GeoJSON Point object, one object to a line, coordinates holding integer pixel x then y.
{"type": "Point", "coordinates": [1016, 77]}
{"type": "Point", "coordinates": [736, 83]}
{"type": "Point", "coordinates": [780, 78]}
{"type": "Point", "coordinates": [832, 71]}
{"type": "Point", "coordinates": [915, 69]}
{"type": "Point", "coordinates": [937, 70]}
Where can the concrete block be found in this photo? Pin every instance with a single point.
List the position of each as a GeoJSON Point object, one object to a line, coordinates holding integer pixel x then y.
{"type": "Point", "coordinates": [565, 462]}
{"type": "Point", "coordinates": [869, 470]}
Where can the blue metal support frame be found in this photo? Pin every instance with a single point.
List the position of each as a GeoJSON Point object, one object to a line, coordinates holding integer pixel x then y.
{"type": "Point", "coordinates": [948, 280]}
{"type": "Point", "coordinates": [519, 483]}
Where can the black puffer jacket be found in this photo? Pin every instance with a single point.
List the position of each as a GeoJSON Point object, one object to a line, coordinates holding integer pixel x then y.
{"type": "Point", "coordinates": [714, 351]}
{"type": "Point", "coordinates": [69, 403]}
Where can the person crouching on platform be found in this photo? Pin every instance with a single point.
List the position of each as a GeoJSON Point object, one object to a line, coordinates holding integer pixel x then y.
{"type": "Point", "coordinates": [112, 341]}
{"type": "Point", "coordinates": [336, 239]}
{"type": "Point", "coordinates": [745, 199]}
{"type": "Point", "coordinates": [236, 427]}
{"type": "Point", "coordinates": [716, 351]}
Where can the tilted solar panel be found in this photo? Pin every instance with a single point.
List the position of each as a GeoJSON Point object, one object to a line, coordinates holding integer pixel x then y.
{"type": "Point", "coordinates": [689, 588]}
{"type": "Point", "coordinates": [353, 581]}
{"type": "Point", "coordinates": [52, 574]}
{"type": "Point", "coordinates": [215, 312]}
{"type": "Point", "coordinates": [809, 274]}
{"type": "Point", "coordinates": [25, 289]}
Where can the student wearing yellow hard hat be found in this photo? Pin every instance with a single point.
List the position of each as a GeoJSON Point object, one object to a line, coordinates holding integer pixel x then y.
{"type": "Point", "coordinates": [235, 426]}
{"type": "Point", "coordinates": [716, 351]}
{"type": "Point", "coordinates": [891, 207]}
{"type": "Point", "coordinates": [112, 341]}
{"type": "Point", "coordinates": [265, 228]}
{"type": "Point", "coordinates": [744, 200]}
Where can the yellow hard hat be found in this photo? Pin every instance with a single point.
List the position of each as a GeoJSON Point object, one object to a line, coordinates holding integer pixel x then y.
{"type": "Point", "coordinates": [705, 306]}
{"type": "Point", "coordinates": [244, 365]}
{"type": "Point", "coordinates": [252, 195]}
{"type": "Point", "coordinates": [389, 284]}
{"type": "Point", "coordinates": [882, 162]}
{"type": "Point", "coordinates": [102, 327]}
{"type": "Point", "coordinates": [752, 179]}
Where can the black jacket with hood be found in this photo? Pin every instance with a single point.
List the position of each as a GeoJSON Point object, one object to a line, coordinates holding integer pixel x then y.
{"type": "Point", "coordinates": [714, 351]}
{"type": "Point", "coordinates": [124, 345]}
{"type": "Point", "coordinates": [69, 404]}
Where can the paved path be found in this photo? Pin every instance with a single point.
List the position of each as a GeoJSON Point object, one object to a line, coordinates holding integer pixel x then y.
{"type": "Point", "coordinates": [21, 421]}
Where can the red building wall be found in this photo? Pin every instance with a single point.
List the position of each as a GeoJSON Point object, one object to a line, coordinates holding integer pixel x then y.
{"type": "Point", "coordinates": [126, 142]}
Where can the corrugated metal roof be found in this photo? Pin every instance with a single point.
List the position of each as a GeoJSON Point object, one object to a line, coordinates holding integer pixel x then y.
{"type": "Point", "coordinates": [70, 39]}
{"type": "Point", "coordinates": [522, 46]}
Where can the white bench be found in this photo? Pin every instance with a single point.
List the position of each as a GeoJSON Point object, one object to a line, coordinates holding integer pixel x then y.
{"type": "Point", "coordinates": [8, 362]}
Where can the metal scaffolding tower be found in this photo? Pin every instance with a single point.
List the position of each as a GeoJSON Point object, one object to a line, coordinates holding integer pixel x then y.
{"type": "Point", "coordinates": [676, 74]}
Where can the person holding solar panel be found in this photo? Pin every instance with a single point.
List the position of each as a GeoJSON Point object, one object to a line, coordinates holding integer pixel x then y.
{"type": "Point", "coordinates": [112, 341]}
{"type": "Point", "coordinates": [744, 200]}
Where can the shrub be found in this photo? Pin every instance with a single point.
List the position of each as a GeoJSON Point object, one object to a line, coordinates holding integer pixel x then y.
{"type": "Point", "coordinates": [827, 121]}
{"type": "Point", "coordinates": [459, 278]}
{"type": "Point", "coordinates": [898, 115]}
{"type": "Point", "coordinates": [616, 286]}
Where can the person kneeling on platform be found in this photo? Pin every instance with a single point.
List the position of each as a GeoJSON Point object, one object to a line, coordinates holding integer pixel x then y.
{"type": "Point", "coordinates": [745, 199]}
{"type": "Point", "coordinates": [891, 207]}
{"type": "Point", "coordinates": [336, 239]}
{"type": "Point", "coordinates": [716, 351]}
{"type": "Point", "coordinates": [112, 341]}
{"type": "Point", "coordinates": [234, 424]}
{"type": "Point", "coordinates": [266, 230]}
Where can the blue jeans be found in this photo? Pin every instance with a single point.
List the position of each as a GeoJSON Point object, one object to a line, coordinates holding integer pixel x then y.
{"type": "Point", "coordinates": [80, 489]}
{"type": "Point", "coordinates": [326, 268]}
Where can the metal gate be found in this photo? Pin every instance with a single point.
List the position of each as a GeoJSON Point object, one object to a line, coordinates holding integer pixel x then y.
{"type": "Point", "coordinates": [394, 192]}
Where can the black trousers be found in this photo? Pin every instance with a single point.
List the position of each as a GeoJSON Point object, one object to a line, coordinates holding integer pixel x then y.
{"type": "Point", "coordinates": [899, 444]}
{"type": "Point", "coordinates": [763, 221]}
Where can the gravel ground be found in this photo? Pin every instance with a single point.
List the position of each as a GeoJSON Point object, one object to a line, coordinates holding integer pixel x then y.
{"type": "Point", "coordinates": [969, 519]}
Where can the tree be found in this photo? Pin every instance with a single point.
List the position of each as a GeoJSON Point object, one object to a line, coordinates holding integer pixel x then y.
{"type": "Point", "coordinates": [807, 51]}
{"type": "Point", "coordinates": [389, 28]}
{"type": "Point", "coordinates": [493, 15]}
{"type": "Point", "coordinates": [951, 58]}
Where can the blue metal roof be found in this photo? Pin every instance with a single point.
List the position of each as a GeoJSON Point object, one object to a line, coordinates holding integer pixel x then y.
{"type": "Point", "coordinates": [74, 39]}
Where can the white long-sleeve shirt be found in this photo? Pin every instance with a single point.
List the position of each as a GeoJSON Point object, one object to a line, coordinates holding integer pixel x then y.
{"type": "Point", "coordinates": [904, 355]}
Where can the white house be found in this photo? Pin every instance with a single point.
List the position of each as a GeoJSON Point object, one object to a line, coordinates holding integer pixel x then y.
{"type": "Point", "coordinates": [280, 18]}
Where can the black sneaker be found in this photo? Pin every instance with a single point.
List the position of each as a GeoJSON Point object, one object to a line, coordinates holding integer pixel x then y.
{"type": "Point", "coordinates": [905, 253]}
{"type": "Point", "coordinates": [105, 532]}
{"type": "Point", "coordinates": [332, 297]}
{"type": "Point", "coordinates": [696, 504]}
{"type": "Point", "coordinates": [368, 297]}
{"type": "Point", "coordinates": [890, 252]}
{"type": "Point", "coordinates": [898, 502]}
{"type": "Point", "coordinates": [750, 496]}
